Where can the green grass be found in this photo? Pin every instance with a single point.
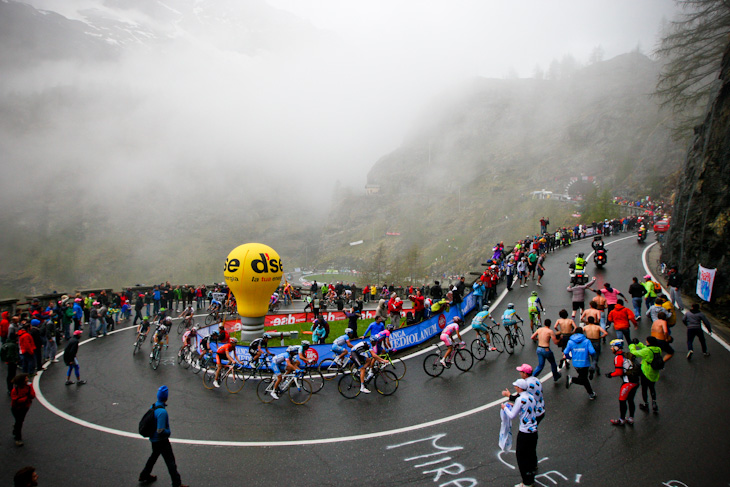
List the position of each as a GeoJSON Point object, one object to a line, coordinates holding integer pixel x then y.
{"type": "Point", "coordinates": [337, 328]}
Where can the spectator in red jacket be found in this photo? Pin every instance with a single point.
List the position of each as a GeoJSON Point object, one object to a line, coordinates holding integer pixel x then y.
{"type": "Point", "coordinates": [418, 305]}
{"type": "Point", "coordinates": [21, 398]}
{"type": "Point", "coordinates": [395, 306]}
{"type": "Point", "coordinates": [4, 326]}
{"type": "Point", "coordinates": [621, 317]}
{"type": "Point", "coordinates": [27, 349]}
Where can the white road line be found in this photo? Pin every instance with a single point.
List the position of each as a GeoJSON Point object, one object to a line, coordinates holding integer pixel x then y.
{"type": "Point", "coordinates": [319, 441]}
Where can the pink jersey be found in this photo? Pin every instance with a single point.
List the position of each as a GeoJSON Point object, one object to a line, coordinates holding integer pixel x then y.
{"type": "Point", "coordinates": [611, 296]}
{"type": "Point", "coordinates": [451, 329]}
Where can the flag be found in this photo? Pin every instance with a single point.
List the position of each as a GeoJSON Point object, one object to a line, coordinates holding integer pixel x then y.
{"type": "Point", "coordinates": [705, 280]}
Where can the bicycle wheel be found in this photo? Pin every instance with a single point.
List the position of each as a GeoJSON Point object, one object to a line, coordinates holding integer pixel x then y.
{"type": "Point", "coordinates": [478, 349]}
{"type": "Point", "coordinates": [329, 369]}
{"type": "Point", "coordinates": [180, 326]}
{"type": "Point", "coordinates": [137, 346]}
{"type": "Point", "coordinates": [497, 341]}
{"type": "Point", "coordinates": [235, 381]}
{"type": "Point", "coordinates": [432, 365]}
{"type": "Point", "coordinates": [349, 386]}
{"type": "Point", "coordinates": [202, 364]}
{"type": "Point", "coordinates": [155, 361]}
{"type": "Point", "coordinates": [509, 343]}
{"type": "Point", "coordinates": [315, 378]}
{"type": "Point", "coordinates": [463, 359]}
{"type": "Point", "coordinates": [261, 391]}
{"type": "Point", "coordinates": [386, 383]}
{"type": "Point", "coordinates": [300, 395]}
{"type": "Point", "coordinates": [520, 336]}
{"type": "Point", "coordinates": [186, 359]}
{"type": "Point", "coordinates": [209, 320]}
{"type": "Point", "coordinates": [398, 367]}
{"type": "Point", "coordinates": [208, 378]}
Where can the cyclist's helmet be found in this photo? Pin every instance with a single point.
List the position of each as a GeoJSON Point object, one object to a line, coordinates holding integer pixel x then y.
{"type": "Point", "coordinates": [163, 328]}
{"type": "Point", "coordinates": [266, 336]}
{"type": "Point", "coordinates": [234, 340]}
{"type": "Point", "coordinates": [349, 332]}
{"type": "Point", "coordinates": [168, 320]}
{"type": "Point", "coordinates": [457, 319]}
{"type": "Point", "coordinates": [194, 330]}
{"type": "Point", "coordinates": [511, 306]}
{"type": "Point", "coordinates": [373, 340]}
{"type": "Point", "coordinates": [618, 343]}
{"type": "Point", "coordinates": [485, 308]}
{"type": "Point", "coordinates": [534, 293]}
{"type": "Point", "coordinates": [390, 327]}
{"type": "Point", "coordinates": [162, 310]}
{"type": "Point", "coordinates": [305, 345]}
{"type": "Point", "coordinates": [146, 318]}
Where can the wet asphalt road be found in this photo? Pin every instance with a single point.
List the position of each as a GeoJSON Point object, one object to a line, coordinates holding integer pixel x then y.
{"type": "Point", "coordinates": [432, 431]}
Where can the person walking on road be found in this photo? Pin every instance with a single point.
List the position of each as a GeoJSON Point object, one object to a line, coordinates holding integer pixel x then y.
{"type": "Point", "coordinates": [625, 368]}
{"type": "Point", "coordinates": [595, 334]}
{"type": "Point", "coordinates": [544, 335]}
{"type": "Point", "coordinates": [580, 350]}
{"type": "Point", "coordinates": [649, 374]}
{"type": "Point", "coordinates": [21, 398]}
{"type": "Point", "coordinates": [621, 317]}
{"type": "Point", "coordinates": [160, 441]}
{"type": "Point", "coordinates": [675, 287]}
{"type": "Point", "coordinates": [69, 358]}
{"type": "Point", "coordinates": [693, 320]}
{"type": "Point", "coordinates": [578, 292]}
{"type": "Point", "coordinates": [650, 294]}
{"type": "Point", "coordinates": [526, 445]}
{"type": "Point", "coordinates": [637, 291]}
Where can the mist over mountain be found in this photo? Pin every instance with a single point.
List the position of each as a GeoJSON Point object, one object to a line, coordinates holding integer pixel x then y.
{"type": "Point", "coordinates": [140, 141]}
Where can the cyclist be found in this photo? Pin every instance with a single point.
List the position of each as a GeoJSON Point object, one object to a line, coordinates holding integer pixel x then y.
{"type": "Point", "coordinates": [224, 353]}
{"type": "Point", "coordinates": [359, 355]}
{"type": "Point", "coordinates": [338, 346]}
{"type": "Point", "coordinates": [143, 328]}
{"type": "Point", "coordinates": [257, 348]}
{"type": "Point", "coordinates": [382, 338]}
{"type": "Point", "coordinates": [187, 315]}
{"type": "Point", "coordinates": [534, 307]}
{"type": "Point", "coordinates": [447, 338]}
{"type": "Point", "coordinates": [273, 299]}
{"type": "Point", "coordinates": [188, 338]}
{"type": "Point", "coordinates": [510, 317]}
{"type": "Point", "coordinates": [289, 360]}
{"type": "Point", "coordinates": [160, 333]}
{"type": "Point", "coordinates": [477, 323]}
{"type": "Point", "coordinates": [215, 307]}
{"type": "Point", "coordinates": [205, 344]}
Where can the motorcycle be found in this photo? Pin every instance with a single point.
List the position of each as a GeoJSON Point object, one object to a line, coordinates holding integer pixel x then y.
{"type": "Point", "coordinates": [641, 236]}
{"type": "Point", "coordinates": [577, 276]}
{"type": "Point", "coordinates": [600, 257]}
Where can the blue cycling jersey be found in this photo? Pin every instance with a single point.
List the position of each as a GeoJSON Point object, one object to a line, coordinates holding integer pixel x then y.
{"type": "Point", "coordinates": [341, 341]}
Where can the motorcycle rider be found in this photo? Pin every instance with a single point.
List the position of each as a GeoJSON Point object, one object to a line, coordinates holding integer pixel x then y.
{"type": "Point", "coordinates": [642, 233]}
{"type": "Point", "coordinates": [597, 243]}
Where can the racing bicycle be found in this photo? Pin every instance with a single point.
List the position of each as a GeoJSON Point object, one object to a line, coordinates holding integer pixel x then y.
{"type": "Point", "coordinates": [480, 345]}
{"type": "Point", "coordinates": [299, 388]}
{"type": "Point", "coordinates": [460, 356]}
{"type": "Point", "coordinates": [232, 375]}
{"type": "Point", "coordinates": [386, 383]}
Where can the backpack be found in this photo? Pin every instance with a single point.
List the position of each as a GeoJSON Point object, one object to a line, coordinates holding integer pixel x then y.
{"type": "Point", "coordinates": [9, 352]}
{"type": "Point", "coordinates": [148, 423]}
{"type": "Point", "coordinates": [657, 287]}
{"type": "Point", "coordinates": [631, 369]}
{"type": "Point", "coordinates": [657, 363]}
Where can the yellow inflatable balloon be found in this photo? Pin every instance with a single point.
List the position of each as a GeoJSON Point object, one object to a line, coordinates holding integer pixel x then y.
{"type": "Point", "coordinates": [253, 271]}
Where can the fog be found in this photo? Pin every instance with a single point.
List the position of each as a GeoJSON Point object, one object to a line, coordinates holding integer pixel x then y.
{"type": "Point", "coordinates": [212, 106]}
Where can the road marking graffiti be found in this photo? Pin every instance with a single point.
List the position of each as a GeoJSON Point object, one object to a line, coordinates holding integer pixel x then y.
{"type": "Point", "coordinates": [452, 469]}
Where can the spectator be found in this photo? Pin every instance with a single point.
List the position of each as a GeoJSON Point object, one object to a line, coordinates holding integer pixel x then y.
{"type": "Point", "coordinates": [693, 320]}
{"type": "Point", "coordinates": [21, 397]}
{"type": "Point", "coordinates": [621, 317]}
{"type": "Point", "coordinates": [27, 349]}
{"type": "Point", "coordinates": [69, 358]}
{"type": "Point", "coordinates": [526, 445]}
{"type": "Point", "coordinates": [160, 441]}
{"type": "Point", "coordinates": [675, 287]}
{"type": "Point", "coordinates": [637, 291]}
{"type": "Point", "coordinates": [10, 354]}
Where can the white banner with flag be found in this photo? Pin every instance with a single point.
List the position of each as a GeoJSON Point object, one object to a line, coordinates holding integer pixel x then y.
{"type": "Point", "coordinates": [705, 279]}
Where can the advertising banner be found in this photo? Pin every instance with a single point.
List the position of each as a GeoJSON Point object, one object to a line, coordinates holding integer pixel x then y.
{"type": "Point", "coordinates": [705, 280]}
{"type": "Point", "coordinates": [400, 339]}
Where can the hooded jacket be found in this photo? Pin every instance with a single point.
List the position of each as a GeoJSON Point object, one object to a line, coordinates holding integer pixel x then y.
{"type": "Point", "coordinates": [579, 348]}
{"type": "Point", "coordinates": [4, 325]}
{"type": "Point", "coordinates": [25, 342]}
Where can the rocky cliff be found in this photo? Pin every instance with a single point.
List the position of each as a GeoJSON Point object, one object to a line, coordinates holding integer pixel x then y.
{"type": "Point", "coordinates": [701, 219]}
